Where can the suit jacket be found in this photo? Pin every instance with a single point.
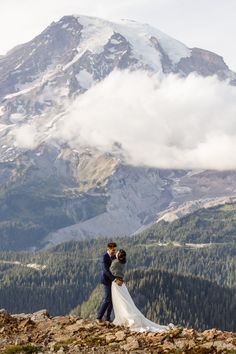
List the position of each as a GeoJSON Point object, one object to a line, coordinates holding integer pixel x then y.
{"type": "Point", "coordinates": [107, 277]}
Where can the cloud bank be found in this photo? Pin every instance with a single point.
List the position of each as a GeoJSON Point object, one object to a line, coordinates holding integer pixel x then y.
{"type": "Point", "coordinates": [168, 122]}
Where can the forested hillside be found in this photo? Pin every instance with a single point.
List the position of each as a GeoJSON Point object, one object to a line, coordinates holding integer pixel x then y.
{"type": "Point", "coordinates": [165, 297]}
{"type": "Point", "coordinates": [217, 224]}
{"type": "Point", "coordinates": [186, 284]}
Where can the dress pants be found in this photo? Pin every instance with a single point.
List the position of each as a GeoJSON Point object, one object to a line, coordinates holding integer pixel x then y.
{"type": "Point", "coordinates": [106, 305]}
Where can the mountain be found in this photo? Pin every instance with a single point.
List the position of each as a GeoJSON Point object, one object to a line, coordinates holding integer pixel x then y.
{"type": "Point", "coordinates": [72, 54]}
{"type": "Point", "coordinates": [52, 191]}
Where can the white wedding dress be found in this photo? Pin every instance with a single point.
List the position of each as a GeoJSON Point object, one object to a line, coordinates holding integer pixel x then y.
{"type": "Point", "coordinates": [128, 315]}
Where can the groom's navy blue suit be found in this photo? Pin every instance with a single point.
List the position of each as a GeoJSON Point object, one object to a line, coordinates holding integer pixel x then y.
{"type": "Point", "coordinates": [106, 279]}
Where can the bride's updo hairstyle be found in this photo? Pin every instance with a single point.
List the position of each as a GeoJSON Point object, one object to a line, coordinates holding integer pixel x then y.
{"type": "Point", "coordinates": [121, 256]}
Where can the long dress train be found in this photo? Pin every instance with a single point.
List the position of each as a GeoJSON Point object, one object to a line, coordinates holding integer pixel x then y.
{"type": "Point", "coordinates": [128, 315]}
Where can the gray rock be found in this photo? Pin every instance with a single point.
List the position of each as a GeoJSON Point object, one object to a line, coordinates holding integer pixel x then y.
{"type": "Point", "coordinates": [4, 312]}
{"type": "Point", "coordinates": [39, 315]}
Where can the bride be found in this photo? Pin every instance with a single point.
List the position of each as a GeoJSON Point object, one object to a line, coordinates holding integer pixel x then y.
{"type": "Point", "coordinates": [126, 313]}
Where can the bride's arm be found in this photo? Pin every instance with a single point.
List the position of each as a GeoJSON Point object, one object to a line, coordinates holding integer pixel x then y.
{"type": "Point", "coordinates": [117, 270]}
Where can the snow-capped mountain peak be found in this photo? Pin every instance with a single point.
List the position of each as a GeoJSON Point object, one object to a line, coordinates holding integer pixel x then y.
{"type": "Point", "coordinates": [38, 78]}
{"type": "Point", "coordinates": [70, 55]}
{"type": "Point", "coordinates": [143, 39]}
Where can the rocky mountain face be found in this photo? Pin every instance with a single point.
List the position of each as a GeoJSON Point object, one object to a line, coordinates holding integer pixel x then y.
{"type": "Point", "coordinates": [51, 192]}
{"type": "Point", "coordinates": [38, 332]}
{"type": "Point", "coordinates": [137, 195]}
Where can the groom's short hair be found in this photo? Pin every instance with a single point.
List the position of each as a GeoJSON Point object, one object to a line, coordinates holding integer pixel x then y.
{"type": "Point", "coordinates": [111, 245]}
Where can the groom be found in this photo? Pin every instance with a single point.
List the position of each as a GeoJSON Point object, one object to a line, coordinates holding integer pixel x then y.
{"type": "Point", "coordinates": [106, 279]}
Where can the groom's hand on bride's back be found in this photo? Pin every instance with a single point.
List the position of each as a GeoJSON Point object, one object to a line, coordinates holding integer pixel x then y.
{"type": "Point", "coordinates": [119, 281]}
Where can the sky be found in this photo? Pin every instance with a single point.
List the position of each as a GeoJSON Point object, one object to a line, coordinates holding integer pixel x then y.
{"type": "Point", "coordinates": [208, 24]}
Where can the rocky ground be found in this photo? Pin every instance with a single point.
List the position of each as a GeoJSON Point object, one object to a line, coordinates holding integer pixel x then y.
{"type": "Point", "coordinates": [38, 332]}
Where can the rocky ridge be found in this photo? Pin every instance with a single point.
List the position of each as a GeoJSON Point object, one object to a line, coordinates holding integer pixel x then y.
{"type": "Point", "coordinates": [175, 212]}
{"type": "Point", "coordinates": [38, 332]}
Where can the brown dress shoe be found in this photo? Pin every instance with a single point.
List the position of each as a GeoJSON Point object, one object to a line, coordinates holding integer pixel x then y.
{"type": "Point", "coordinates": [100, 322]}
{"type": "Point", "coordinates": [109, 323]}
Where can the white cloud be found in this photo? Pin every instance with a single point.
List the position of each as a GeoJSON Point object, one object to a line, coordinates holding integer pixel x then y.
{"type": "Point", "coordinates": [25, 136]}
{"type": "Point", "coordinates": [170, 122]}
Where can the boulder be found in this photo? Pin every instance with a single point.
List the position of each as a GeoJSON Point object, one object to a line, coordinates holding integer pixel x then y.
{"type": "Point", "coordinates": [120, 335]}
{"type": "Point", "coordinates": [131, 344]}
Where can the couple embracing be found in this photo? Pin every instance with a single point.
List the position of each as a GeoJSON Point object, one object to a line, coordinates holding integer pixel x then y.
{"type": "Point", "coordinates": [117, 296]}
